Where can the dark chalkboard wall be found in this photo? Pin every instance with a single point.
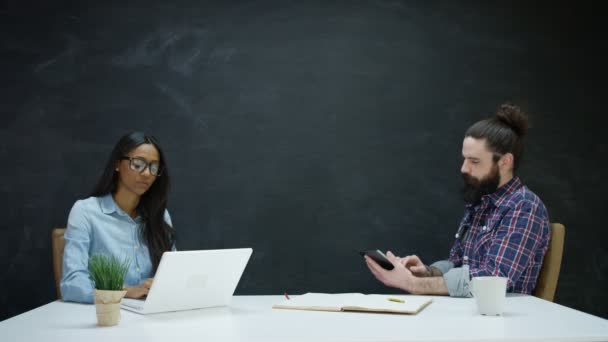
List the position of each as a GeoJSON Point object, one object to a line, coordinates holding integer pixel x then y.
{"type": "Point", "coordinates": [305, 130]}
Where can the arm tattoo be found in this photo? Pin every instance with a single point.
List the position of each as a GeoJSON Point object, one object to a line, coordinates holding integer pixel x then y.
{"type": "Point", "coordinates": [433, 271]}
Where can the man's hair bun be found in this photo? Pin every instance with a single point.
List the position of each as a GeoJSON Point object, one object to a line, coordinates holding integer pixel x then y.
{"type": "Point", "coordinates": [512, 116]}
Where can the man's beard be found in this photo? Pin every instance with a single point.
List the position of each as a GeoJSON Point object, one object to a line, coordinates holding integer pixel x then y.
{"type": "Point", "coordinates": [474, 189]}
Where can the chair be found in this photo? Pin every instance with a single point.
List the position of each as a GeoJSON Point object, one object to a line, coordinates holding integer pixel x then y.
{"type": "Point", "coordinates": [57, 243]}
{"type": "Point", "coordinates": [549, 273]}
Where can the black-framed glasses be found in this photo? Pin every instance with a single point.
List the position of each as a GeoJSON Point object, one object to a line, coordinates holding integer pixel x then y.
{"type": "Point", "coordinates": [139, 164]}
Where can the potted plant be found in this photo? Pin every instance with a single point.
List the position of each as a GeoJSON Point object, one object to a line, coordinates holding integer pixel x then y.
{"type": "Point", "coordinates": [108, 276]}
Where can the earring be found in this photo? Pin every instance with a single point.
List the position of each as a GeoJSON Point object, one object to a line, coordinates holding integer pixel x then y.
{"type": "Point", "coordinates": [116, 169]}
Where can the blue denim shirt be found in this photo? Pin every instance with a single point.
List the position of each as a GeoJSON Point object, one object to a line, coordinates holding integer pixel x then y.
{"type": "Point", "coordinates": [97, 225]}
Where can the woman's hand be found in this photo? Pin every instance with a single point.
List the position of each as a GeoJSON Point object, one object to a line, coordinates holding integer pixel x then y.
{"type": "Point", "coordinates": [139, 291]}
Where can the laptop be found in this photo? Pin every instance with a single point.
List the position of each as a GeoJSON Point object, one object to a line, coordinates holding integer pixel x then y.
{"type": "Point", "coordinates": [187, 280]}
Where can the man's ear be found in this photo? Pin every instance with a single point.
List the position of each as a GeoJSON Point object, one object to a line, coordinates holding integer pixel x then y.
{"type": "Point", "coordinates": [506, 161]}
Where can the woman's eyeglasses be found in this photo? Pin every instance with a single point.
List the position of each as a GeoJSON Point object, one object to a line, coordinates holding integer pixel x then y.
{"type": "Point", "coordinates": [140, 164]}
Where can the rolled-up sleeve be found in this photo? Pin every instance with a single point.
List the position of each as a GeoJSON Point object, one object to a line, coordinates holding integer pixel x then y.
{"type": "Point", "coordinates": [443, 266]}
{"type": "Point", "coordinates": [457, 281]}
{"type": "Point", "coordinates": [76, 284]}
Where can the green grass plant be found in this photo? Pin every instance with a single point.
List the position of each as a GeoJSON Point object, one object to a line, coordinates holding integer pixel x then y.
{"type": "Point", "coordinates": [108, 273]}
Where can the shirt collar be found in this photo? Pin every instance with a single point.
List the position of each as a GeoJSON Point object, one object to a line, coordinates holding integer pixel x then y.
{"type": "Point", "coordinates": [501, 194]}
{"type": "Point", "coordinates": [108, 205]}
{"type": "Point", "coordinates": [497, 197]}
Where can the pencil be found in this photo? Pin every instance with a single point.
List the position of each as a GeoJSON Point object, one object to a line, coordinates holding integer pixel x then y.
{"type": "Point", "coordinates": [396, 300]}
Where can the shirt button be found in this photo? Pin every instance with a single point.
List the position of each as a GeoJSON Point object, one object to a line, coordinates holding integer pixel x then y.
{"type": "Point", "coordinates": [136, 247]}
{"type": "Point", "coordinates": [483, 228]}
{"type": "Point", "coordinates": [138, 269]}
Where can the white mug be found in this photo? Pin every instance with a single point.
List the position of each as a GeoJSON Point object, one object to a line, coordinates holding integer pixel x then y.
{"type": "Point", "coordinates": [490, 294]}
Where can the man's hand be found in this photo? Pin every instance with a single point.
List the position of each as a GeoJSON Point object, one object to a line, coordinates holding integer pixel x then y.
{"type": "Point", "coordinates": [139, 291]}
{"type": "Point", "coordinates": [416, 266]}
{"type": "Point", "coordinates": [399, 277]}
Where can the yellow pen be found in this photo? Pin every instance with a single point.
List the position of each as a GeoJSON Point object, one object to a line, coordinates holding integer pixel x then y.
{"type": "Point", "coordinates": [396, 300]}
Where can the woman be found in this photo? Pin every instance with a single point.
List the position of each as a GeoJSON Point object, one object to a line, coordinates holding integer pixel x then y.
{"type": "Point", "coordinates": [125, 216]}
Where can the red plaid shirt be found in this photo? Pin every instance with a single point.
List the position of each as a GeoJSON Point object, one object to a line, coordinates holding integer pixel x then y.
{"type": "Point", "coordinates": [507, 235]}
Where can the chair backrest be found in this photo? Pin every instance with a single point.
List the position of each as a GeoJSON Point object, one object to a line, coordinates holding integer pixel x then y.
{"type": "Point", "coordinates": [549, 273]}
{"type": "Point", "coordinates": [57, 244]}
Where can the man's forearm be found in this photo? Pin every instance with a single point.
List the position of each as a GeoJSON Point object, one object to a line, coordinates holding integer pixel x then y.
{"type": "Point", "coordinates": [434, 285]}
{"type": "Point", "coordinates": [442, 278]}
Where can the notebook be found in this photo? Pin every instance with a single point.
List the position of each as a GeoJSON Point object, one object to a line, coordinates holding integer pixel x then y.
{"type": "Point", "coordinates": [187, 280]}
{"type": "Point", "coordinates": [399, 304]}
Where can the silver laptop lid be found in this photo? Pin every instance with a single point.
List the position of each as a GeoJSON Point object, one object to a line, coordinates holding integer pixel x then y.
{"type": "Point", "coordinates": [188, 280]}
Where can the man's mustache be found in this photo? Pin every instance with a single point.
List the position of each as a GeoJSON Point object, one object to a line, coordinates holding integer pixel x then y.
{"type": "Point", "coordinates": [470, 180]}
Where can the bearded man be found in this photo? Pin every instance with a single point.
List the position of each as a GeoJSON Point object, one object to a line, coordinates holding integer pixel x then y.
{"type": "Point", "coordinates": [505, 229]}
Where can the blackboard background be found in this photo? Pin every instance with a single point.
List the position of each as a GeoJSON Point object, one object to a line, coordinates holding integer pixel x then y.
{"type": "Point", "coordinates": [303, 129]}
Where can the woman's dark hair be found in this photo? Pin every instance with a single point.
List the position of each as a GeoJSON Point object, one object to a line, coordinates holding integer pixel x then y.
{"type": "Point", "coordinates": [159, 235]}
{"type": "Point", "coordinates": [504, 132]}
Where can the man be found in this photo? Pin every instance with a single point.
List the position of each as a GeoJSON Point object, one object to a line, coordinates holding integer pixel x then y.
{"type": "Point", "coordinates": [505, 229]}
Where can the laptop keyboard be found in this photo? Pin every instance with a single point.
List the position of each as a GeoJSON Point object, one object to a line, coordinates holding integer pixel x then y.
{"type": "Point", "coordinates": [136, 304]}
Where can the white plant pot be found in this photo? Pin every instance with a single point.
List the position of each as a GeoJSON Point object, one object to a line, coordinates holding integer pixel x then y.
{"type": "Point", "coordinates": [107, 305]}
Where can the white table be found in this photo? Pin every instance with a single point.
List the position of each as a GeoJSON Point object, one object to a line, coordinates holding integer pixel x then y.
{"type": "Point", "coordinates": [251, 318]}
